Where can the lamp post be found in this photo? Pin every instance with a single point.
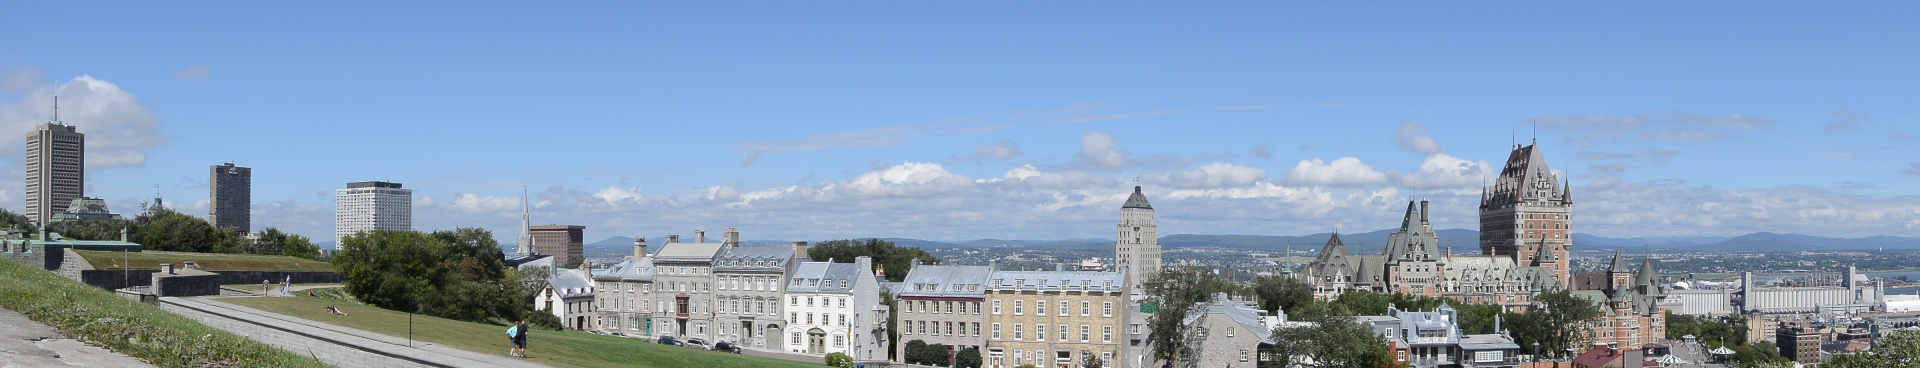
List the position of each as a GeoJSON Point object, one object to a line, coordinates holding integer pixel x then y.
{"type": "Point", "coordinates": [1536, 351]}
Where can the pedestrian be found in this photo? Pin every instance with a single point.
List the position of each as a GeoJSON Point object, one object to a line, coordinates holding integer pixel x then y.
{"type": "Point", "coordinates": [286, 287]}
{"type": "Point", "coordinates": [266, 287]}
{"type": "Point", "coordinates": [520, 338]}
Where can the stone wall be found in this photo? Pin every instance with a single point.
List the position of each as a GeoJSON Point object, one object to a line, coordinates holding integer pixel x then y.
{"type": "Point", "coordinates": [186, 283]}
{"type": "Point", "coordinates": [333, 348]}
{"type": "Point", "coordinates": [228, 277]}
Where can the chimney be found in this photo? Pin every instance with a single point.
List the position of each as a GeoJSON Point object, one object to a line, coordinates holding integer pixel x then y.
{"type": "Point", "coordinates": [673, 239]}
{"type": "Point", "coordinates": [863, 262]}
{"type": "Point", "coordinates": [1059, 267]}
{"type": "Point", "coordinates": [191, 265]}
{"type": "Point", "coordinates": [1423, 212]}
{"type": "Point", "coordinates": [587, 268]}
{"type": "Point", "coordinates": [990, 265]}
{"type": "Point", "coordinates": [699, 236]}
{"type": "Point", "coordinates": [800, 249]}
{"type": "Point", "coordinates": [733, 237]}
{"type": "Point", "coordinates": [639, 247]}
{"type": "Point", "coordinates": [123, 234]}
{"type": "Point", "coordinates": [166, 268]}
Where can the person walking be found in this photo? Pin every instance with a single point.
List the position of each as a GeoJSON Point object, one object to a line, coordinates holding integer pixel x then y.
{"type": "Point", "coordinates": [266, 287]}
{"type": "Point", "coordinates": [520, 338]}
{"type": "Point", "coordinates": [286, 287]}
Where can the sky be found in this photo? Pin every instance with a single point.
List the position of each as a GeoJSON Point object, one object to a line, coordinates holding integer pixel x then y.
{"type": "Point", "coordinates": [829, 120]}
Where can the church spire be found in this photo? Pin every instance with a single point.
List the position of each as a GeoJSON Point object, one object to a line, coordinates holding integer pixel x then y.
{"type": "Point", "coordinates": [524, 245]}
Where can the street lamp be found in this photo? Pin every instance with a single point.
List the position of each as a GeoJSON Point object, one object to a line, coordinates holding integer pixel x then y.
{"type": "Point", "coordinates": [1536, 351]}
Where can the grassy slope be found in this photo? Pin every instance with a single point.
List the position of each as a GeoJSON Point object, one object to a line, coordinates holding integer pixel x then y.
{"type": "Point", "coordinates": [138, 330]}
{"type": "Point", "coordinates": [555, 348]}
{"type": "Point", "coordinates": [107, 260]}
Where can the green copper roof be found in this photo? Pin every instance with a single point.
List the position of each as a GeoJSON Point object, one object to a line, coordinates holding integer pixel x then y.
{"type": "Point", "coordinates": [1137, 200]}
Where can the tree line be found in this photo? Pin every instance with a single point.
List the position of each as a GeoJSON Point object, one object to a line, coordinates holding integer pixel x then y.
{"type": "Point", "coordinates": [458, 274]}
{"type": "Point", "coordinates": [163, 229]}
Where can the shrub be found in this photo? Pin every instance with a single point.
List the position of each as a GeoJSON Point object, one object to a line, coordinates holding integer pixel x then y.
{"type": "Point", "coordinates": [839, 360]}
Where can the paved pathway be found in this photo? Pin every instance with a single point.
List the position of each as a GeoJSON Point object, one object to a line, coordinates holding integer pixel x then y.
{"type": "Point", "coordinates": [500, 360]}
{"type": "Point", "coordinates": [783, 355]}
{"type": "Point", "coordinates": [25, 343]}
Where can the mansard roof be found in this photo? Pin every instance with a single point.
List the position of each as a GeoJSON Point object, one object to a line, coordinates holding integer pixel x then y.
{"type": "Point", "coordinates": [1525, 178]}
{"type": "Point", "coordinates": [627, 270]}
{"type": "Point", "coordinates": [1415, 239]}
{"type": "Point", "coordinates": [1137, 200]}
{"type": "Point", "coordinates": [1619, 264]}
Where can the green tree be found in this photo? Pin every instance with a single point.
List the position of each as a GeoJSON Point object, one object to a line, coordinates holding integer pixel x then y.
{"type": "Point", "coordinates": [1177, 290]}
{"type": "Point", "coordinates": [159, 228]}
{"type": "Point", "coordinates": [453, 274]}
{"type": "Point", "coordinates": [896, 261]}
{"type": "Point", "coordinates": [1897, 349]}
{"type": "Point", "coordinates": [277, 243]}
{"type": "Point", "coordinates": [17, 222]}
{"type": "Point", "coordinates": [967, 358]}
{"type": "Point", "coordinates": [893, 322]}
{"type": "Point", "coordinates": [1281, 293]}
{"type": "Point", "coordinates": [103, 229]}
{"type": "Point", "coordinates": [1558, 320]}
{"type": "Point", "coordinates": [1331, 339]}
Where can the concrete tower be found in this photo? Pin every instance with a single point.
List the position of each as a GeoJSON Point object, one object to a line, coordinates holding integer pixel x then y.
{"type": "Point", "coordinates": [56, 167]}
{"type": "Point", "coordinates": [230, 197]}
{"type": "Point", "coordinates": [1137, 244]}
{"type": "Point", "coordinates": [1528, 210]}
{"type": "Point", "coordinates": [371, 205]}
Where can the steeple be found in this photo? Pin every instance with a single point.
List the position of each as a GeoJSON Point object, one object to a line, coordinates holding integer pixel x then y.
{"type": "Point", "coordinates": [1619, 264]}
{"type": "Point", "coordinates": [1645, 277]}
{"type": "Point", "coordinates": [524, 246]}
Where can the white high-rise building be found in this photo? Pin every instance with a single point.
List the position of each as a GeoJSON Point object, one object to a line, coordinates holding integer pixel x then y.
{"type": "Point", "coordinates": [1137, 246]}
{"type": "Point", "coordinates": [56, 168]}
{"type": "Point", "coordinates": [371, 205]}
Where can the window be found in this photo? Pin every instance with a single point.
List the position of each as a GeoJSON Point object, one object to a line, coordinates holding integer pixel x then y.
{"type": "Point", "coordinates": [1017, 332]}
{"type": "Point", "coordinates": [1106, 309]}
{"type": "Point", "coordinates": [843, 320]}
{"type": "Point", "coordinates": [949, 307]}
{"type": "Point", "coordinates": [809, 318]}
{"type": "Point", "coordinates": [795, 301]}
{"type": "Point", "coordinates": [976, 329]}
{"type": "Point", "coordinates": [1086, 333]}
{"type": "Point", "coordinates": [796, 337]}
{"type": "Point", "coordinates": [839, 341]}
{"type": "Point", "coordinates": [1039, 332]}
{"type": "Point", "coordinates": [923, 327]}
{"type": "Point", "coordinates": [1230, 331]}
{"type": "Point", "coordinates": [1086, 308]}
{"type": "Point", "coordinates": [843, 302]}
{"type": "Point", "coordinates": [996, 331]}
{"type": "Point", "coordinates": [1243, 355]}
{"type": "Point", "coordinates": [809, 301]}
{"type": "Point", "coordinates": [793, 317]}
{"type": "Point", "coordinates": [1063, 333]}
{"type": "Point", "coordinates": [949, 328]}
{"type": "Point", "coordinates": [1106, 333]}
{"type": "Point", "coordinates": [1063, 308]}
{"type": "Point", "coordinates": [976, 308]}
{"type": "Point", "coordinates": [996, 307]}
{"type": "Point", "coordinates": [1016, 307]}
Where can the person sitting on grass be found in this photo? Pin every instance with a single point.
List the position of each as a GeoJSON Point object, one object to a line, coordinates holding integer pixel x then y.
{"type": "Point", "coordinates": [336, 311]}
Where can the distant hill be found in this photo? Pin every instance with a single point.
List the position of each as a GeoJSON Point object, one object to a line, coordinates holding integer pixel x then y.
{"type": "Point", "coordinates": [1772, 242]}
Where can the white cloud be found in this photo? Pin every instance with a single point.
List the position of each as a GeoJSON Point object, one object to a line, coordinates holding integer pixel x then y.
{"type": "Point", "coordinates": [1097, 149]}
{"type": "Point", "coordinates": [119, 129]}
{"type": "Point", "coordinates": [1344, 171]}
{"type": "Point", "coordinates": [910, 179]}
{"type": "Point", "coordinates": [1213, 175]}
{"type": "Point", "coordinates": [22, 79]}
{"type": "Point", "coordinates": [1412, 136]}
{"type": "Point", "coordinates": [613, 195]}
{"type": "Point", "coordinates": [1022, 172]}
{"type": "Point", "coordinates": [1442, 171]}
{"type": "Point", "coordinates": [479, 204]}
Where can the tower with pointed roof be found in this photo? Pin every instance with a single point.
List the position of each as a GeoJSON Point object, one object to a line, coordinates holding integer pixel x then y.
{"type": "Point", "coordinates": [1413, 260]}
{"type": "Point", "coordinates": [524, 245]}
{"type": "Point", "coordinates": [1137, 241]}
{"type": "Point", "coordinates": [1528, 210]}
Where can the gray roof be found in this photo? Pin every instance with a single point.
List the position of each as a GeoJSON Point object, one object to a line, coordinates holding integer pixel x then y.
{"type": "Point", "coordinates": [570, 283]}
{"type": "Point", "coordinates": [627, 270]}
{"type": "Point", "coordinates": [687, 252]}
{"type": "Point", "coordinates": [823, 277]}
{"type": "Point", "coordinates": [1058, 280]}
{"type": "Point", "coordinates": [1525, 166]}
{"type": "Point", "coordinates": [1415, 239]}
{"type": "Point", "coordinates": [940, 280]}
{"type": "Point", "coordinates": [1487, 342]}
{"type": "Point", "coordinates": [1137, 200]}
{"type": "Point", "coordinates": [751, 258]}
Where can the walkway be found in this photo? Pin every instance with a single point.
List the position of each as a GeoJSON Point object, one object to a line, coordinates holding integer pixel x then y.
{"type": "Point", "coordinates": [25, 343]}
{"type": "Point", "coordinates": [388, 344]}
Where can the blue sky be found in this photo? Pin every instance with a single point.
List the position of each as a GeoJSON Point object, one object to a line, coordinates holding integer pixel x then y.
{"type": "Point", "coordinates": [833, 120]}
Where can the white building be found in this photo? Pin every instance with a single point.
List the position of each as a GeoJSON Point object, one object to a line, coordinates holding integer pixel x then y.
{"type": "Point", "coordinates": [569, 297]}
{"type": "Point", "coordinates": [371, 205]}
{"type": "Point", "coordinates": [1137, 246]}
{"type": "Point", "coordinates": [835, 308]}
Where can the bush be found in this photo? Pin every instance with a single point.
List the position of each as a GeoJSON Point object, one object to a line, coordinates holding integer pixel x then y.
{"type": "Point", "coordinates": [839, 360]}
{"type": "Point", "coordinates": [968, 358]}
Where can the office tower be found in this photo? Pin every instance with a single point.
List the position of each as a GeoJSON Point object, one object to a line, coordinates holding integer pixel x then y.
{"type": "Point", "coordinates": [564, 242]}
{"type": "Point", "coordinates": [56, 168]}
{"type": "Point", "coordinates": [1138, 243]}
{"type": "Point", "coordinates": [371, 205]}
{"type": "Point", "coordinates": [230, 197]}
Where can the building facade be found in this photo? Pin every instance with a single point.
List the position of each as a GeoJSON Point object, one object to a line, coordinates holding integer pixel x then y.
{"type": "Point", "coordinates": [835, 308]}
{"type": "Point", "coordinates": [941, 304]}
{"type": "Point", "coordinates": [85, 209]}
{"type": "Point", "coordinates": [747, 288]}
{"type": "Point", "coordinates": [1529, 210]}
{"type": "Point", "coordinates": [1137, 242]}
{"type": "Point", "coordinates": [1055, 318]}
{"type": "Point", "coordinates": [624, 294]}
{"type": "Point", "coordinates": [1633, 308]}
{"type": "Point", "coordinates": [564, 242]}
{"type": "Point", "coordinates": [1229, 332]}
{"type": "Point", "coordinates": [683, 289]}
{"type": "Point", "coordinates": [371, 205]}
{"type": "Point", "coordinates": [56, 168]}
{"type": "Point", "coordinates": [230, 197]}
{"type": "Point", "coordinates": [569, 297]}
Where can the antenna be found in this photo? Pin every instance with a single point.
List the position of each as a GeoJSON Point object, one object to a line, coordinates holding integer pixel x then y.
{"type": "Point", "coordinates": [1536, 132]}
{"type": "Point", "coordinates": [56, 108]}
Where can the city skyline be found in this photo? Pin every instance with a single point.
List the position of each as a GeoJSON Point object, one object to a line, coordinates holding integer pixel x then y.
{"type": "Point", "coordinates": [794, 121]}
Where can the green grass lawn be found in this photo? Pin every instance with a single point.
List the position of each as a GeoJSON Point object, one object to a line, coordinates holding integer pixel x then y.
{"type": "Point", "coordinates": [555, 348]}
{"type": "Point", "coordinates": [99, 317]}
{"type": "Point", "coordinates": [107, 260]}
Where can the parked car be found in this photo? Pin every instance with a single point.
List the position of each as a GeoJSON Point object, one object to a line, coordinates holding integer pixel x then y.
{"type": "Point", "coordinates": [669, 340]}
{"type": "Point", "coordinates": [726, 347]}
{"type": "Point", "coordinates": [697, 343]}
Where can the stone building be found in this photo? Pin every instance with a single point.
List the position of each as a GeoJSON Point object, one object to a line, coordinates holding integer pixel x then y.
{"type": "Point", "coordinates": [1632, 305]}
{"type": "Point", "coordinates": [835, 308]}
{"type": "Point", "coordinates": [941, 304]}
{"type": "Point", "coordinates": [1137, 244]}
{"type": "Point", "coordinates": [1799, 344]}
{"type": "Point", "coordinates": [683, 288]}
{"type": "Point", "coordinates": [1230, 332]}
{"type": "Point", "coordinates": [747, 285]}
{"type": "Point", "coordinates": [1434, 339]}
{"type": "Point", "coordinates": [1055, 318]}
{"type": "Point", "coordinates": [624, 294]}
{"type": "Point", "coordinates": [85, 209]}
{"type": "Point", "coordinates": [1414, 264]}
{"type": "Point", "coordinates": [1529, 210]}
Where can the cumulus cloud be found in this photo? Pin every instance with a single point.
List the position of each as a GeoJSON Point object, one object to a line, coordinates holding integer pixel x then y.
{"type": "Point", "coordinates": [1440, 171]}
{"type": "Point", "coordinates": [1213, 175]}
{"type": "Point", "coordinates": [1344, 171]}
{"type": "Point", "coordinates": [910, 179]}
{"type": "Point", "coordinates": [613, 195]}
{"type": "Point", "coordinates": [475, 203]}
{"type": "Point", "coordinates": [1098, 149]}
{"type": "Point", "coordinates": [118, 127]}
{"type": "Point", "coordinates": [192, 72]}
{"type": "Point", "coordinates": [1022, 172]}
{"type": "Point", "coordinates": [1412, 136]}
